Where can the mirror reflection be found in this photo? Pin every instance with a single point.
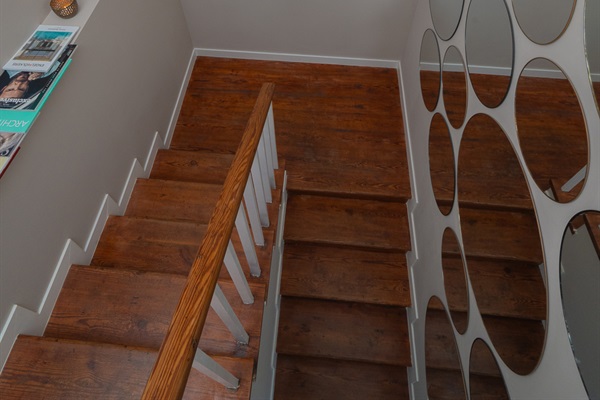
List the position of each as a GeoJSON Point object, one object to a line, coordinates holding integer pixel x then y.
{"type": "Point", "coordinates": [430, 70]}
{"type": "Point", "coordinates": [543, 21]}
{"type": "Point", "coordinates": [454, 86]}
{"type": "Point", "coordinates": [441, 163]}
{"type": "Point", "coordinates": [485, 386]}
{"type": "Point", "coordinates": [592, 43]}
{"type": "Point", "coordinates": [579, 281]}
{"type": "Point", "coordinates": [552, 131]}
{"type": "Point", "coordinates": [446, 16]}
{"type": "Point", "coordinates": [455, 281]}
{"type": "Point", "coordinates": [489, 50]}
{"type": "Point", "coordinates": [444, 374]}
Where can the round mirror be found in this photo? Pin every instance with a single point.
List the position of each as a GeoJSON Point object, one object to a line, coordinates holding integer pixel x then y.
{"type": "Point", "coordinates": [543, 21]}
{"type": "Point", "coordinates": [552, 131]}
{"type": "Point", "coordinates": [446, 16]}
{"type": "Point", "coordinates": [579, 282]}
{"type": "Point", "coordinates": [454, 86]}
{"type": "Point", "coordinates": [592, 43]}
{"type": "Point", "coordinates": [442, 363]}
{"type": "Point", "coordinates": [483, 386]}
{"type": "Point", "coordinates": [489, 48]}
{"type": "Point", "coordinates": [441, 163]}
{"type": "Point", "coordinates": [455, 281]}
{"type": "Point", "coordinates": [430, 69]}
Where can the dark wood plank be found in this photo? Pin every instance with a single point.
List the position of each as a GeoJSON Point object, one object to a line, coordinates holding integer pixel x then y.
{"type": "Point", "coordinates": [47, 368]}
{"type": "Point", "coordinates": [148, 245]}
{"type": "Point", "coordinates": [346, 274]}
{"type": "Point", "coordinates": [306, 378]}
{"type": "Point", "coordinates": [347, 331]}
{"type": "Point", "coordinates": [346, 221]}
{"type": "Point", "coordinates": [191, 166]}
{"type": "Point", "coordinates": [172, 200]}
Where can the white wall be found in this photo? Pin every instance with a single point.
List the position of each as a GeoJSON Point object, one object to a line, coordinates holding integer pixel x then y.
{"type": "Point", "coordinates": [118, 92]}
{"type": "Point", "coordinates": [374, 29]}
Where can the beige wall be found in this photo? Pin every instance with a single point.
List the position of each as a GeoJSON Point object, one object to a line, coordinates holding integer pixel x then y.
{"type": "Point", "coordinates": [119, 90]}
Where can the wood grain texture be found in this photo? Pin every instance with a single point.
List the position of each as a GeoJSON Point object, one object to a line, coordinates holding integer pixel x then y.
{"type": "Point", "coordinates": [343, 330]}
{"type": "Point", "coordinates": [345, 274]}
{"type": "Point", "coordinates": [306, 378]}
{"type": "Point", "coordinates": [191, 166]}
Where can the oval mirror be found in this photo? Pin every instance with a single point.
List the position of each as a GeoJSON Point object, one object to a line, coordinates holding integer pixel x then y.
{"type": "Point", "coordinates": [442, 363]}
{"type": "Point", "coordinates": [489, 386]}
{"type": "Point", "coordinates": [430, 70]}
{"type": "Point", "coordinates": [446, 16]}
{"type": "Point", "coordinates": [552, 131]}
{"type": "Point", "coordinates": [454, 86]}
{"type": "Point", "coordinates": [489, 50]}
{"type": "Point", "coordinates": [543, 21]}
{"type": "Point", "coordinates": [579, 283]}
{"type": "Point", "coordinates": [441, 163]}
{"type": "Point", "coordinates": [592, 43]}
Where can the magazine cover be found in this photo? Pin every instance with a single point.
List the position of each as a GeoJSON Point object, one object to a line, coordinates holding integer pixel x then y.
{"type": "Point", "coordinates": [9, 143]}
{"type": "Point", "coordinates": [41, 50]}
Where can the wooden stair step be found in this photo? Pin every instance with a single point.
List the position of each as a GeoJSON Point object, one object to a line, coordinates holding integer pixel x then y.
{"type": "Point", "coordinates": [345, 221]}
{"type": "Point", "coordinates": [149, 245]}
{"type": "Point", "coordinates": [343, 330]}
{"type": "Point", "coordinates": [520, 341]}
{"type": "Point", "coordinates": [504, 234]}
{"type": "Point", "coordinates": [135, 308]}
{"type": "Point", "coordinates": [54, 369]}
{"type": "Point", "coordinates": [307, 378]}
{"type": "Point", "coordinates": [191, 166]}
{"type": "Point", "coordinates": [213, 134]}
{"type": "Point", "coordinates": [450, 385]}
{"type": "Point", "coordinates": [347, 274]}
{"type": "Point", "coordinates": [172, 200]}
{"type": "Point", "coordinates": [502, 288]}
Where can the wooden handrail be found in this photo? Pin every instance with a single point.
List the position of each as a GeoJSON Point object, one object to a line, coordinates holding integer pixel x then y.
{"type": "Point", "coordinates": [170, 373]}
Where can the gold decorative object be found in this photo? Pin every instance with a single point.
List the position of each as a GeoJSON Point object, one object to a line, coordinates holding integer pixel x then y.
{"type": "Point", "coordinates": [64, 8]}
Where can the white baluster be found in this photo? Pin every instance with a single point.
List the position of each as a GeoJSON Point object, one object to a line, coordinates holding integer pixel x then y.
{"type": "Point", "coordinates": [264, 169]}
{"type": "Point", "coordinates": [209, 367]}
{"type": "Point", "coordinates": [223, 309]}
{"type": "Point", "coordinates": [260, 193]}
{"type": "Point", "coordinates": [266, 140]}
{"type": "Point", "coordinates": [271, 125]}
{"type": "Point", "coordinates": [241, 223]}
{"type": "Point", "coordinates": [232, 263]}
{"type": "Point", "coordinates": [252, 210]}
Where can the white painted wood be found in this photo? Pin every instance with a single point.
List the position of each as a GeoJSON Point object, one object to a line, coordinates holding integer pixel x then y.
{"type": "Point", "coordinates": [209, 367]}
{"type": "Point", "coordinates": [251, 207]}
{"type": "Point", "coordinates": [574, 181]}
{"type": "Point", "coordinates": [272, 139]}
{"type": "Point", "coordinates": [264, 169]}
{"type": "Point", "coordinates": [266, 141]}
{"type": "Point", "coordinates": [221, 306]}
{"type": "Point", "coordinates": [260, 193]}
{"type": "Point", "coordinates": [232, 263]}
{"type": "Point", "coordinates": [241, 224]}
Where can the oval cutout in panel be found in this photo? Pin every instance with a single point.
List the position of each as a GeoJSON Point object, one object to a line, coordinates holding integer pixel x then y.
{"type": "Point", "coordinates": [487, 386]}
{"type": "Point", "coordinates": [454, 86]}
{"type": "Point", "coordinates": [579, 283]}
{"type": "Point", "coordinates": [592, 41]}
{"type": "Point", "coordinates": [489, 27]}
{"type": "Point", "coordinates": [442, 363]}
{"type": "Point", "coordinates": [441, 163]}
{"type": "Point", "coordinates": [543, 21]}
{"type": "Point", "coordinates": [446, 16]}
{"type": "Point", "coordinates": [552, 132]}
{"type": "Point", "coordinates": [455, 281]}
{"type": "Point", "coordinates": [430, 70]}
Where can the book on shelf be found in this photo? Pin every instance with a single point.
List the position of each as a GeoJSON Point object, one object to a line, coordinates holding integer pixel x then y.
{"type": "Point", "coordinates": [23, 93]}
{"type": "Point", "coordinates": [42, 49]}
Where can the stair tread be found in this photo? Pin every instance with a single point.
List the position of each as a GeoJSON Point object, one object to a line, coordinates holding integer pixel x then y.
{"type": "Point", "coordinates": [345, 221]}
{"type": "Point", "coordinates": [191, 166]}
{"type": "Point", "coordinates": [135, 308]}
{"type": "Point", "coordinates": [149, 245]}
{"type": "Point", "coordinates": [520, 341]}
{"type": "Point", "coordinates": [64, 369]}
{"type": "Point", "coordinates": [173, 200]}
{"type": "Point", "coordinates": [307, 378]}
{"type": "Point", "coordinates": [337, 273]}
{"type": "Point", "coordinates": [449, 385]}
{"type": "Point", "coordinates": [343, 330]}
{"type": "Point", "coordinates": [502, 288]}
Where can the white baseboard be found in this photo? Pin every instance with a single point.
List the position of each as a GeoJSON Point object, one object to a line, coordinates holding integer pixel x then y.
{"type": "Point", "coordinates": [304, 58]}
{"type": "Point", "coordinates": [180, 97]}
